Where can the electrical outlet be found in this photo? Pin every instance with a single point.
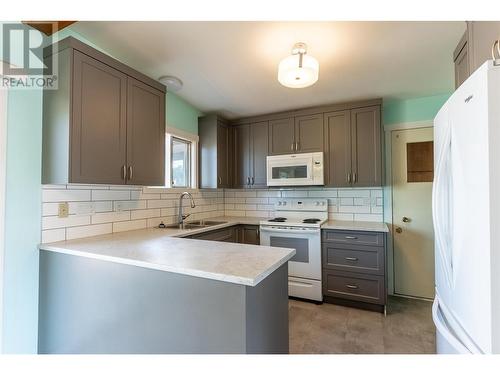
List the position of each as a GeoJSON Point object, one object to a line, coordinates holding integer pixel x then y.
{"type": "Point", "coordinates": [63, 209]}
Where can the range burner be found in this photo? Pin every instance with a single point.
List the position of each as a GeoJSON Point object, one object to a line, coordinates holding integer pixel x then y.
{"type": "Point", "coordinates": [278, 220]}
{"type": "Point", "coordinates": [311, 221]}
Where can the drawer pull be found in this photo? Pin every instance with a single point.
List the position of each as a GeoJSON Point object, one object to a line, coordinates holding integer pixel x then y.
{"type": "Point", "coordinates": [351, 259]}
{"type": "Point", "coordinates": [351, 237]}
{"type": "Point", "coordinates": [352, 286]}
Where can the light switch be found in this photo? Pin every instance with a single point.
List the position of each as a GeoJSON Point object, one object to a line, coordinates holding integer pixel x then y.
{"type": "Point", "coordinates": [63, 210]}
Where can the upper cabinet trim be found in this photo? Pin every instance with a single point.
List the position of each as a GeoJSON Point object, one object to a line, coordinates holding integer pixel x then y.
{"type": "Point", "coordinates": [76, 44]}
{"type": "Point", "coordinates": [308, 111]}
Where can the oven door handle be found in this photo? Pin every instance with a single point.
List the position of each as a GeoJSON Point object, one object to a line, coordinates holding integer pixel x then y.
{"type": "Point", "coordinates": [294, 231]}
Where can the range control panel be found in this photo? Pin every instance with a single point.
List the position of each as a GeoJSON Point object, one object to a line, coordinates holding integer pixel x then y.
{"type": "Point", "coordinates": [301, 204]}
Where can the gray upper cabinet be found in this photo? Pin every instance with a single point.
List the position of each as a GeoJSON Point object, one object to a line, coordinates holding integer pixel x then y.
{"type": "Point", "coordinates": [105, 124]}
{"type": "Point", "coordinates": [99, 131]}
{"type": "Point", "coordinates": [366, 151]}
{"type": "Point", "coordinates": [259, 152]}
{"type": "Point", "coordinates": [145, 134]}
{"type": "Point", "coordinates": [215, 166]}
{"type": "Point", "coordinates": [353, 155]}
{"type": "Point", "coordinates": [474, 48]}
{"type": "Point", "coordinates": [338, 148]}
{"type": "Point", "coordinates": [282, 136]}
{"type": "Point", "coordinates": [251, 150]}
{"type": "Point", "coordinates": [461, 61]}
{"type": "Point", "coordinates": [242, 156]}
{"type": "Point", "coordinates": [309, 133]}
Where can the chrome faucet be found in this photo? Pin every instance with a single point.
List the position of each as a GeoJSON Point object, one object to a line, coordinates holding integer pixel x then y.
{"type": "Point", "coordinates": [182, 217]}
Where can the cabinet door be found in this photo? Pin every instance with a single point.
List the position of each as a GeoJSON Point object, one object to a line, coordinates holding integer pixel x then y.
{"type": "Point", "coordinates": [259, 152]}
{"type": "Point", "coordinates": [98, 130]}
{"type": "Point", "coordinates": [338, 148]}
{"type": "Point", "coordinates": [242, 157]}
{"type": "Point", "coordinates": [281, 136]}
{"type": "Point", "coordinates": [461, 60]}
{"type": "Point", "coordinates": [309, 133]}
{"type": "Point", "coordinates": [366, 147]}
{"type": "Point", "coordinates": [249, 234]}
{"type": "Point", "coordinates": [145, 134]}
{"type": "Point", "coordinates": [222, 155]}
{"type": "Point", "coordinates": [481, 36]}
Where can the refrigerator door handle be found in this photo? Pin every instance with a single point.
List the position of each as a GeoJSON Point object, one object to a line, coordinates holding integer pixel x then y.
{"type": "Point", "coordinates": [444, 330]}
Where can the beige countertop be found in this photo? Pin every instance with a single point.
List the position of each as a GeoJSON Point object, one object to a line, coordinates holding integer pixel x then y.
{"type": "Point", "coordinates": [356, 225]}
{"type": "Point", "coordinates": [158, 249]}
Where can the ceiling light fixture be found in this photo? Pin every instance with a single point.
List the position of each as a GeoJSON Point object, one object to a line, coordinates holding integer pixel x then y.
{"type": "Point", "coordinates": [173, 83]}
{"type": "Point", "coordinates": [298, 70]}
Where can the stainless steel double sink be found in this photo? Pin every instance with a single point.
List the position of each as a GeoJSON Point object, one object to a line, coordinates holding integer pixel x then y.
{"type": "Point", "coordinates": [195, 224]}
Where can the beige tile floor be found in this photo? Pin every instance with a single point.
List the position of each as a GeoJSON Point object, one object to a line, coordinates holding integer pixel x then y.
{"type": "Point", "coordinates": [327, 328]}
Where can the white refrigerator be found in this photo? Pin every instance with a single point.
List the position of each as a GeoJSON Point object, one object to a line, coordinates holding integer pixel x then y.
{"type": "Point", "coordinates": [466, 215]}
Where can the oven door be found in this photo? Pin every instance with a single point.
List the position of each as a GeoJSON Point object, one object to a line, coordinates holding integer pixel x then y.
{"type": "Point", "coordinates": [306, 263]}
{"type": "Point", "coordinates": [289, 170]}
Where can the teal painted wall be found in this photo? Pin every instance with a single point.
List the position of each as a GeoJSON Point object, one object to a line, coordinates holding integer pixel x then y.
{"type": "Point", "coordinates": [182, 115]}
{"type": "Point", "coordinates": [411, 110]}
{"type": "Point", "coordinates": [22, 221]}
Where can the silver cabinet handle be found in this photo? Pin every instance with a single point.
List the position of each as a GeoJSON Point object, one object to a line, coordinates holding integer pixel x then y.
{"type": "Point", "coordinates": [297, 144]}
{"type": "Point", "coordinates": [348, 178]}
{"type": "Point", "coordinates": [248, 180]}
{"type": "Point", "coordinates": [124, 172]}
{"type": "Point", "coordinates": [130, 172]}
{"type": "Point", "coordinates": [354, 177]}
{"type": "Point", "coordinates": [352, 286]}
{"type": "Point", "coordinates": [292, 146]}
{"type": "Point", "coordinates": [351, 258]}
{"type": "Point", "coordinates": [351, 237]}
{"type": "Point", "coordinates": [253, 180]}
{"type": "Point", "coordinates": [220, 180]}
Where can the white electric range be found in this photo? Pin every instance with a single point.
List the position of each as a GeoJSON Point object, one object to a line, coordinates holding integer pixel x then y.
{"type": "Point", "coordinates": [297, 224]}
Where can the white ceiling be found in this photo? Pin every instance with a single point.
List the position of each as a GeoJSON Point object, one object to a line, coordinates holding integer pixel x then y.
{"type": "Point", "coordinates": [231, 67]}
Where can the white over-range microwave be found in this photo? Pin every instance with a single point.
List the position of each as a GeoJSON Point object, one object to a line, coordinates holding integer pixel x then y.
{"type": "Point", "coordinates": [295, 169]}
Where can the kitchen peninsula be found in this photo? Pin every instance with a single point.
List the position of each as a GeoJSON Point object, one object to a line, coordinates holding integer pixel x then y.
{"type": "Point", "coordinates": [144, 291]}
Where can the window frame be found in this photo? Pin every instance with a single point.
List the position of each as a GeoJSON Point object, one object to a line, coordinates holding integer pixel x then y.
{"type": "Point", "coordinates": [189, 158]}
{"type": "Point", "coordinates": [187, 137]}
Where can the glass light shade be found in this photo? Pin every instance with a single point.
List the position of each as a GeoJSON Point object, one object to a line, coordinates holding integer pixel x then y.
{"type": "Point", "coordinates": [291, 75]}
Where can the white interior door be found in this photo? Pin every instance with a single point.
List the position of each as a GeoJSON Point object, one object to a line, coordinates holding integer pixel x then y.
{"type": "Point", "coordinates": [413, 231]}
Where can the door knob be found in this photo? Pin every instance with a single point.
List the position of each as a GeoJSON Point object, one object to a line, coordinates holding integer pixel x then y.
{"type": "Point", "coordinates": [399, 230]}
{"type": "Point", "coordinates": [406, 219]}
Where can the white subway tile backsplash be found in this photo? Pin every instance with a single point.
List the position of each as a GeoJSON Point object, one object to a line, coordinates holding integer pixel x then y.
{"type": "Point", "coordinates": [129, 225]}
{"type": "Point", "coordinates": [56, 195]}
{"type": "Point", "coordinates": [144, 214]}
{"type": "Point", "coordinates": [53, 235]}
{"type": "Point", "coordinates": [354, 193]}
{"type": "Point", "coordinates": [110, 195]}
{"type": "Point", "coordinates": [110, 217]}
{"type": "Point", "coordinates": [118, 208]}
{"type": "Point", "coordinates": [52, 222]}
{"type": "Point", "coordinates": [88, 231]}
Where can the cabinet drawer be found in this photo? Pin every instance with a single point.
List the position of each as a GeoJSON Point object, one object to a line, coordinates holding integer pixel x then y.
{"type": "Point", "coordinates": [225, 235]}
{"type": "Point", "coordinates": [353, 286]}
{"type": "Point", "coordinates": [362, 259]}
{"type": "Point", "coordinates": [354, 237]}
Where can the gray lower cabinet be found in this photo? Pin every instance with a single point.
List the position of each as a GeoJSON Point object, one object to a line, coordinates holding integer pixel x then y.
{"type": "Point", "coordinates": [229, 234]}
{"type": "Point", "coordinates": [247, 234]}
{"type": "Point", "coordinates": [354, 268]}
{"type": "Point", "coordinates": [215, 155]}
{"type": "Point", "coordinates": [104, 124]}
{"type": "Point", "coordinates": [250, 153]}
{"type": "Point", "coordinates": [353, 147]}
